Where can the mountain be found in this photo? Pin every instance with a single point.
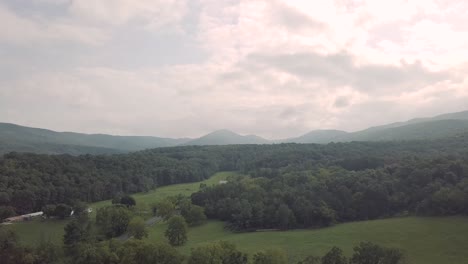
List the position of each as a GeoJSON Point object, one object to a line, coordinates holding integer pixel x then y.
{"type": "Point", "coordinates": [317, 136]}
{"type": "Point", "coordinates": [26, 139]}
{"type": "Point", "coordinates": [226, 137]}
{"type": "Point", "coordinates": [420, 130]}
{"type": "Point", "coordinates": [456, 116]}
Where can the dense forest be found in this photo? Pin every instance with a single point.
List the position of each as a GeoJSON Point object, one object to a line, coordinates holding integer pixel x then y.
{"type": "Point", "coordinates": [340, 181]}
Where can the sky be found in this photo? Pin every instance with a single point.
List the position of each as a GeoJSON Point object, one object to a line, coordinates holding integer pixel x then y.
{"type": "Point", "coordinates": [275, 68]}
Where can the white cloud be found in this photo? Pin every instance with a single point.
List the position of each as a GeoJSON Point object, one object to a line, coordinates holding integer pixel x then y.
{"type": "Point", "coordinates": [276, 68]}
{"type": "Point", "coordinates": [29, 31]}
{"type": "Point", "coordinates": [152, 13]}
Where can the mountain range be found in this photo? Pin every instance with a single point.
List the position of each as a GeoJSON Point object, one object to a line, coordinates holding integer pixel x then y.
{"type": "Point", "coordinates": [26, 139]}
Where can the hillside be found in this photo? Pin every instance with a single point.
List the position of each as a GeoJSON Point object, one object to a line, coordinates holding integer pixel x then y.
{"type": "Point", "coordinates": [317, 136]}
{"type": "Point", "coordinates": [419, 130]}
{"type": "Point", "coordinates": [226, 137]}
{"type": "Point", "coordinates": [26, 139]}
{"type": "Point", "coordinates": [445, 125]}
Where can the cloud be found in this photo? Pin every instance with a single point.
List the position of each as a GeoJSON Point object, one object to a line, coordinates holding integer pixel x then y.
{"type": "Point", "coordinates": [152, 14]}
{"type": "Point", "coordinates": [274, 68]}
{"type": "Point", "coordinates": [341, 102]}
{"type": "Point", "coordinates": [31, 31]}
{"type": "Point", "coordinates": [342, 69]}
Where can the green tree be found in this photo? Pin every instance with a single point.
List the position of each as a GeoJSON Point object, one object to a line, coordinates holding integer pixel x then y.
{"type": "Point", "coordinates": [92, 253]}
{"type": "Point", "coordinates": [49, 210]}
{"type": "Point", "coordinates": [369, 253]}
{"type": "Point", "coordinates": [80, 208]}
{"type": "Point", "coordinates": [217, 253]}
{"type": "Point", "coordinates": [62, 211]}
{"type": "Point", "coordinates": [270, 256]}
{"type": "Point", "coordinates": [76, 231]}
{"type": "Point", "coordinates": [128, 201]}
{"type": "Point", "coordinates": [113, 220]}
{"type": "Point", "coordinates": [334, 256]}
{"type": "Point", "coordinates": [143, 252]}
{"type": "Point", "coordinates": [47, 253]}
{"type": "Point", "coordinates": [195, 215]}
{"type": "Point", "coordinates": [164, 208]}
{"type": "Point", "coordinates": [6, 211]}
{"type": "Point", "coordinates": [311, 260]}
{"type": "Point", "coordinates": [137, 228]}
{"type": "Point", "coordinates": [176, 231]}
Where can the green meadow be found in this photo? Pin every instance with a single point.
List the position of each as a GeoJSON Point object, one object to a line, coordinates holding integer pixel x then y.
{"type": "Point", "coordinates": [31, 232]}
{"type": "Point", "coordinates": [424, 240]}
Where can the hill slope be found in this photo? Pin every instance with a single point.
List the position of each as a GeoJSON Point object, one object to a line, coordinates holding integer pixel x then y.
{"type": "Point", "coordinates": [27, 139]}
{"type": "Point", "coordinates": [445, 125]}
{"type": "Point", "coordinates": [226, 137]}
{"type": "Point", "coordinates": [420, 130]}
{"type": "Point", "coordinates": [317, 136]}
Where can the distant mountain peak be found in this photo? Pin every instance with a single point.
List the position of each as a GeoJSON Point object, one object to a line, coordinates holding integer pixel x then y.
{"type": "Point", "coordinates": [227, 137]}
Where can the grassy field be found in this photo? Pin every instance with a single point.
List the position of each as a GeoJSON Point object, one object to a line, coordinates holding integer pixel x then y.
{"type": "Point", "coordinates": [31, 232]}
{"type": "Point", "coordinates": [424, 240]}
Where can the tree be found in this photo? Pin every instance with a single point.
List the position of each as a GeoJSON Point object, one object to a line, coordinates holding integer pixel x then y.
{"type": "Point", "coordinates": [217, 253]}
{"type": "Point", "coordinates": [80, 208]}
{"type": "Point", "coordinates": [113, 220]}
{"type": "Point", "coordinates": [47, 253]}
{"type": "Point", "coordinates": [76, 231]}
{"type": "Point", "coordinates": [92, 253]}
{"type": "Point", "coordinates": [49, 210]}
{"type": "Point", "coordinates": [270, 256]}
{"type": "Point", "coordinates": [334, 256]}
{"type": "Point", "coordinates": [369, 253]}
{"type": "Point", "coordinates": [195, 215]}
{"type": "Point", "coordinates": [176, 231]}
{"type": "Point", "coordinates": [128, 200]}
{"type": "Point", "coordinates": [62, 211]}
{"type": "Point", "coordinates": [143, 252]}
{"type": "Point", "coordinates": [311, 260]}
{"type": "Point", "coordinates": [24, 201]}
{"type": "Point", "coordinates": [6, 211]}
{"type": "Point", "coordinates": [164, 208]}
{"type": "Point", "coordinates": [137, 228]}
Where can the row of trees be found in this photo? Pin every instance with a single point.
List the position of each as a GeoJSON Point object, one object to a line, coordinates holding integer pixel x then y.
{"type": "Point", "coordinates": [28, 182]}
{"type": "Point", "coordinates": [326, 195]}
{"type": "Point", "coordinates": [144, 252]}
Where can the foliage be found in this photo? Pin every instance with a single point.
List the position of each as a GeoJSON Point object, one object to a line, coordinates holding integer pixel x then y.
{"type": "Point", "coordinates": [76, 231]}
{"type": "Point", "coordinates": [217, 253]}
{"type": "Point", "coordinates": [164, 208]}
{"type": "Point", "coordinates": [31, 181]}
{"type": "Point", "coordinates": [142, 252]}
{"type": "Point", "coordinates": [334, 256]}
{"type": "Point", "coordinates": [126, 200]}
{"type": "Point", "coordinates": [369, 253]}
{"type": "Point", "coordinates": [270, 256]}
{"type": "Point", "coordinates": [176, 231]}
{"type": "Point", "coordinates": [113, 220]}
{"type": "Point", "coordinates": [137, 228]}
{"type": "Point", "coordinates": [62, 211]}
{"type": "Point", "coordinates": [6, 211]}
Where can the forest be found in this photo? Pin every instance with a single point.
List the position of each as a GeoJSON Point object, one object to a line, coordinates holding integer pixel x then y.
{"type": "Point", "coordinates": [337, 182]}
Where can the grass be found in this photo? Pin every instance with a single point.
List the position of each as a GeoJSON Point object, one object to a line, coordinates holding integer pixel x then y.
{"type": "Point", "coordinates": [424, 240]}
{"type": "Point", "coordinates": [31, 232]}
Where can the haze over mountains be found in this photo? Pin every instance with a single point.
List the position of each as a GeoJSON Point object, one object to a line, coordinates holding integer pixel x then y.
{"type": "Point", "coordinates": [25, 139]}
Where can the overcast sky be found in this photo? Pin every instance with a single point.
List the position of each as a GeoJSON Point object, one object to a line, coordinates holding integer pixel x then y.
{"type": "Point", "coordinates": [275, 68]}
